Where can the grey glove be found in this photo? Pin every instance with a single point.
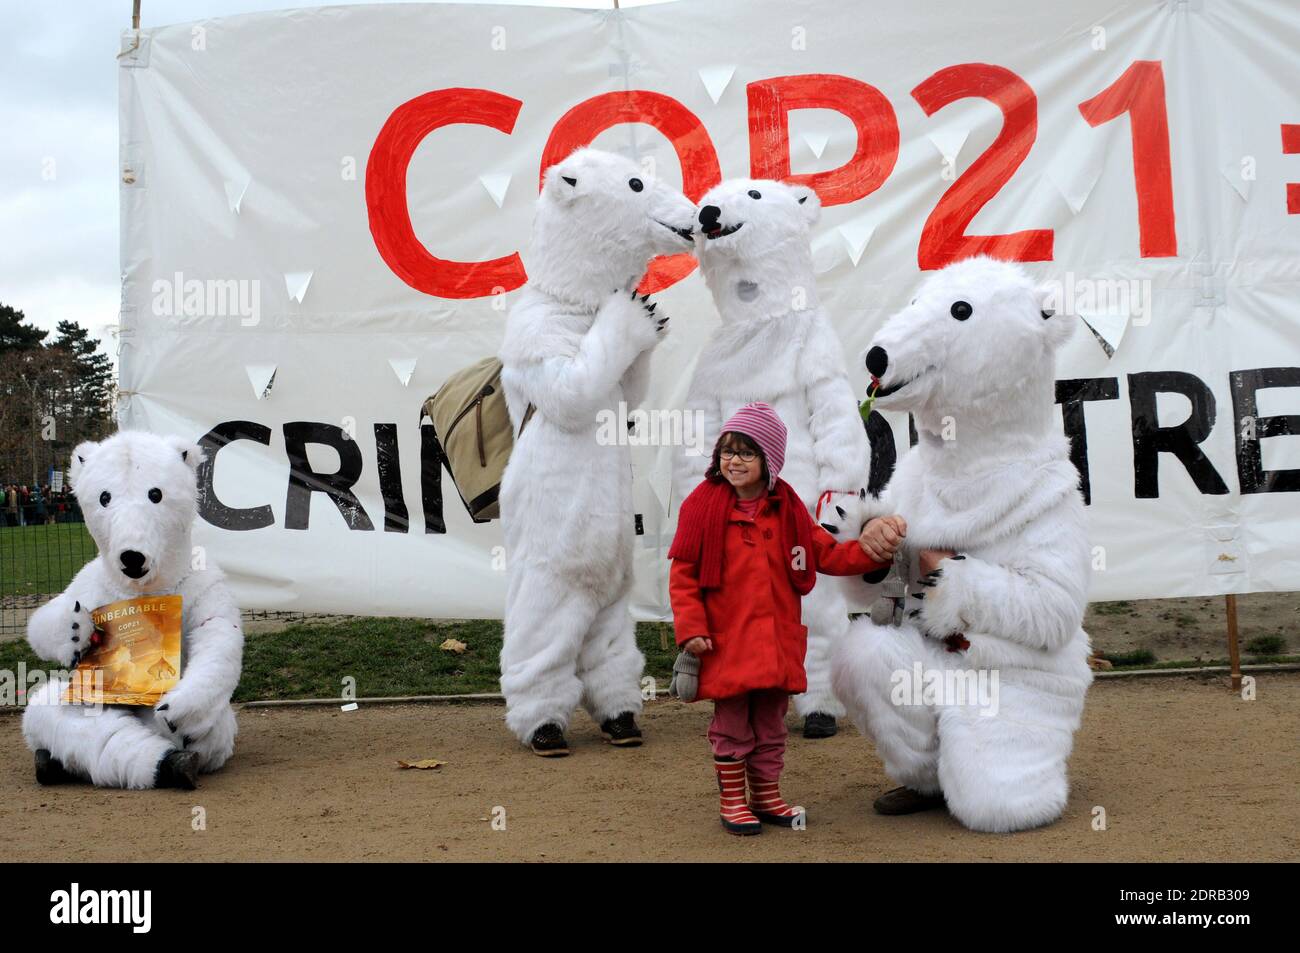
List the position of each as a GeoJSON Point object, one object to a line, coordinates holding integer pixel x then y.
{"type": "Point", "coordinates": [686, 677]}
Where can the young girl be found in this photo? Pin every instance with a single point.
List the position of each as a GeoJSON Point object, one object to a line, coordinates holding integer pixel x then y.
{"type": "Point", "coordinates": [746, 550]}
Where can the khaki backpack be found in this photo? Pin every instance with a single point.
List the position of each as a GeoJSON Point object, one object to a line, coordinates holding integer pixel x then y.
{"type": "Point", "coordinates": [472, 426]}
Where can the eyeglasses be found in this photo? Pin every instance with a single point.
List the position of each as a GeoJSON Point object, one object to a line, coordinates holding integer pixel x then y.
{"type": "Point", "coordinates": [746, 456]}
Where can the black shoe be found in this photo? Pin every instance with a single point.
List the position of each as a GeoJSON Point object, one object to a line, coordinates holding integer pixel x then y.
{"type": "Point", "coordinates": [906, 801]}
{"type": "Point", "coordinates": [50, 770]}
{"type": "Point", "coordinates": [621, 731]}
{"type": "Point", "coordinates": [548, 741]}
{"type": "Point", "coordinates": [178, 769]}
{"type": "Point", "coordinates": [818, 725]}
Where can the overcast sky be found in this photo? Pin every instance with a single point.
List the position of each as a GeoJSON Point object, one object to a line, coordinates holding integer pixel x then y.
{"type": "Point", "coordinates": [58, 153]}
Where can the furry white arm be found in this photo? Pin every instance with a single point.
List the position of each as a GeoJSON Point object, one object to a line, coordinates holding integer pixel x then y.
{"type": "Point", "coordinates": [1032, 604]}
{"type": "Point", "coordinates": [637, 380]}
{"type": "Point", "coordinates": [570, 391]}
{"type": "Point", "coordinates": [214, 656]}
{"type": "Point", "coordinates": [53, 627]}
{"type": "Point", "coordinates": [839, 440]}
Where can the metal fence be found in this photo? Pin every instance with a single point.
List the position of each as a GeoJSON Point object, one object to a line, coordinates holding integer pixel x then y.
{"type": "Point", "coordinates": [42, 546]}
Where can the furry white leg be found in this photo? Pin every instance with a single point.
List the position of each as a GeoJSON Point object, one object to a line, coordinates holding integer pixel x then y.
{"type": "Point", "coordinates": [867, 664]}
{"type": "Point", "coordinates": [215, 742]}
{"type": "Point", "coordinates": [826, 615]}
{"type": "Point", "coordinates": [109, 745]}
{"type": "Point", "coordinates": [610, 664]}
{"type": "Point", "coordinates": [1007, 771]}
{"type": "Point", "coordinates": [547, 621]}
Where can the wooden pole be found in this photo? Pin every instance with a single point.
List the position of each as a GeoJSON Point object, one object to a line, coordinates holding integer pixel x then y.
{"type": "Point", "coordinates": [135, 14]}
{"type": "Point", "coordinates": [1234, 652]}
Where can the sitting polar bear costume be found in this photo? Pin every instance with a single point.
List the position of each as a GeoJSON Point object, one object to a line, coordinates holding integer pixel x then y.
{"type": "Point", "coordinates": [972, 360]}
{"type": "Point", "coordinates": [575, 347]}
{"type": "Point", "coordinates": [776, 345]}
{"type": "Point", "coordinates": [139, 494]}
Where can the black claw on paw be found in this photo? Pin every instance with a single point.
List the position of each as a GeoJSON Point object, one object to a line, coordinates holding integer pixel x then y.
{"type": "Point", "coordinates": [914, 613]}
{"type": "Point", "coordinates": [934, 575]}
{"type": "Point", "coordinates": [830, 528]}
{"type": "Point", "coordinates": [76, 638]}
{"type": "Point", "coordinates": [75, 626]}
{"type": "Point", "coordinates": [170, 724]}
{"type": "Point", "coordinates": [920, 595]}
{"type": "Point", "coordinates": [76, 607]}
{"type": "Point", "coordinates": [958, 556]}
{"type": "Point", "coordinates": [164, 707]}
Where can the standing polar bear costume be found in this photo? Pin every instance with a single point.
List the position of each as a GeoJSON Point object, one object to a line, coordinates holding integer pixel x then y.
{"type": "Point", "coordinates": [972, 359]}
{"type": "Point", "coordinates": [776, 345]}
{"type": "Point", "coordinates": [577, 344]}
{"type": "Point", "coordinates": [139, 494]}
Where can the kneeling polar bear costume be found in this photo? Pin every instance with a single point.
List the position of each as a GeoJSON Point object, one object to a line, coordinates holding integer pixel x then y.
{"type": "Point", "coordinates": [139, 495]}
{"type": "Point", "coordinates": [577, 345]}
{"type": "Point", "coordinates": [776, 345]}
{"type": "Point", "coordinates": [972, 359]}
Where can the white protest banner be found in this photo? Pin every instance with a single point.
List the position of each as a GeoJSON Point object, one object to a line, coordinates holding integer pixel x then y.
{"type": "Point", "coordinates": [326, 212]}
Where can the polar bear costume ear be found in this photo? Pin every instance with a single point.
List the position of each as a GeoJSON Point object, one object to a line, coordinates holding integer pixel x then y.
{"type": "Point", "coordinates": [1058, 325]}
{"type": "Point", "coordinates": [563, 185]}
{"type": "Point", "coordinates": [809, 203]}
{"type": "Point", "coordinates": [191, 454]}
{"type": "Point", "coordinates": [83, 452]}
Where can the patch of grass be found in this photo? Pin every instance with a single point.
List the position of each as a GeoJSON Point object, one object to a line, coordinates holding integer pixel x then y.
{"type": "Point", "coordinates": [1113, 608]}
{"type": "Point", "coordinates": [1266, 645]}
{"type": "Point", "coordinates": [1130, 659]}
{"type": "Point", "coordinates": [42, 559]}
{"type": "Point", "coordinates": [394, 657]}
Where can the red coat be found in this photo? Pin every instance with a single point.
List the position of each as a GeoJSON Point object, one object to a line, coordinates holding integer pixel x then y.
{"type": "Point", "coordinates": [753, 618]}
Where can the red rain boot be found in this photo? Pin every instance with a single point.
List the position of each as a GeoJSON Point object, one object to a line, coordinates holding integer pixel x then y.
{"type": "Point", "coordinates": [767, 804]}
{"type": "Point", "coordinates": [735, 813]}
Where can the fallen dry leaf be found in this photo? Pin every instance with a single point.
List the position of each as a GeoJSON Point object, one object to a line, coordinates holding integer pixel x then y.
{"type": "Point", "coordinates": [454, 645]}
{"type": "Point", "coordinates": [423, 763]}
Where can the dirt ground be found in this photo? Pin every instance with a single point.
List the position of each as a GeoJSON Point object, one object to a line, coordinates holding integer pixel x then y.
{"type": "Point", "coordinates": [1185, 770]}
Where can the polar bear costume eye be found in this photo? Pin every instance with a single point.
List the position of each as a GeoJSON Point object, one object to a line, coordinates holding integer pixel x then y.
{"type": "Point", "coordinates": [636, 185]}
{"type": "Point", "coordinates": [961, 310]}
{"type": "Point", "coordinates": [104, 498]}
{"type": "Point", "coordinates": [155, 495]}
{"type": "Point", "coordinates": [755, 194]}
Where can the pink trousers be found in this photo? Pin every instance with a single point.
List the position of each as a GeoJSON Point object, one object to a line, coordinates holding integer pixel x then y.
{"type": "Point", "coordinates": [752, 727]}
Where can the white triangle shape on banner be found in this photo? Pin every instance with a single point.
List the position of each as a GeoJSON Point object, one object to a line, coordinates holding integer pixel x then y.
{"type": "Point", "coordinates": [1108, 327]}
{"type": "Point", "coordinates": [856, 235]}
{"type": "Point", "coordinates": [1240, 184]}
{"type": "Point", "coordinates": [496, 184]}
{"type": "Point", "coordinates": [235, 193]}
{"type": "Point", "coordinates": [816, 142]}
{"type": "Point", "coordinates": [1076, 164]}
{"type": "Point", "coordinates": [296, 282]}
{"type": "Point", "coordinates": [262, 377]}
{"type": "Point", "coordinates": [715, 80]}
{"type": "Point", "coordinates": [403, 367]}
{"type": "Point", "coordinates": [949, 142]}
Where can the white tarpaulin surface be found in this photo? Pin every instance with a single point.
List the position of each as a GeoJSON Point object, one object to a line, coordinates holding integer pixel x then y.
{"type": "Point", "coordinates": [274, 295]}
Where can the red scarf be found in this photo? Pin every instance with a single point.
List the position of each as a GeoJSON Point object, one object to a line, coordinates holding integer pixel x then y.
{"type": "Point", "coordinates": [702, 525]}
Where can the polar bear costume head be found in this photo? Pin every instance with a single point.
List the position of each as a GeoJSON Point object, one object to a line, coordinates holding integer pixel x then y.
{"type": "Point", "coordinates": [754, 247]}
{"type": "Point", "coordinates": [139, 492]}
{"type": "Point", "coordinates": [977, 346]}
{"type": "Point", "coordinates": [605, 214]}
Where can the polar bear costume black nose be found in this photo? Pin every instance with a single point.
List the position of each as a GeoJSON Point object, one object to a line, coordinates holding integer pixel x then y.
{"type": "Point", "coordinates": [709, 216]}
{"type": "Point", "coordinates": [132, 562]}
{"type": "Point", "coordinates": [877, 361]}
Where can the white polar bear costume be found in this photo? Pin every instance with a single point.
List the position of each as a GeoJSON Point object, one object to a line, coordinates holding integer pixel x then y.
{"type": "Point", "coordinates": [776, 345]}
{"type": "Point", "coordinates": [577, 344]}
{"type": "Point", "coordinates": [139, 492]}
{"type": "Point", "coordinates": [972, 359]}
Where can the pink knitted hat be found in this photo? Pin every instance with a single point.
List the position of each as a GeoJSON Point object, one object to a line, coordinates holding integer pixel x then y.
{"type": "Point", "coordinates": [759, 422]}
